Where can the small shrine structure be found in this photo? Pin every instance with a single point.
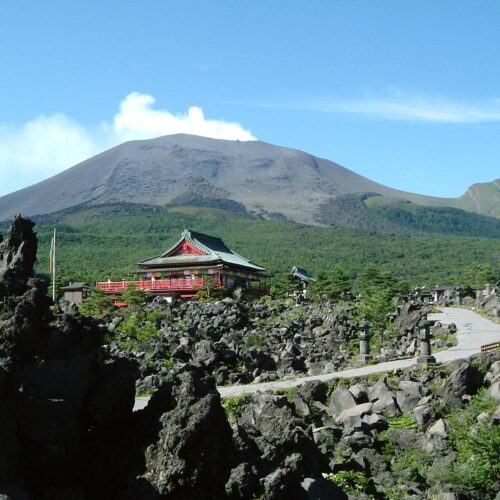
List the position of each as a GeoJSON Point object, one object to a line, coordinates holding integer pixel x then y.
{"type": "Point", "coordinates": [76, 292]}
{"type": "Point", "coordinates": [197, 261]}
{"type": "Point", "coordinates": [300, 275]}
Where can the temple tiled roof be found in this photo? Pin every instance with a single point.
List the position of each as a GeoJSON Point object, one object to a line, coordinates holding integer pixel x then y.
{"type": "Point", "coordinates": [77, 285]}
{"type": "Point", "coordinates": [214, 250]}
{"type": "Point", "coordinates": [301, 274]}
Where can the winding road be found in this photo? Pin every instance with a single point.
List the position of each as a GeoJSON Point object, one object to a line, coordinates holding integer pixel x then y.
{"type": "Point", "coordinates": [473, 331]}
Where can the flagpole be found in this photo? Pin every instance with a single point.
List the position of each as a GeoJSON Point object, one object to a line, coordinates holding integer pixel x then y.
{"type": "Point", "coordinates": [54, 269]}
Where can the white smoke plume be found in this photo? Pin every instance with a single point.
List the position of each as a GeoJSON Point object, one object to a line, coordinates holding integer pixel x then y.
{"type": "Point", "coordinates": [47, 145]}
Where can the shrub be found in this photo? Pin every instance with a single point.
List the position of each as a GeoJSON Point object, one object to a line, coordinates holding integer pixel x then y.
{"type": "Point", "coordinates": [411, 464]}
{"type": "Point", "coordinates": [135, 329]}
{"type": "Point", "coordinates": [233, 406]}
{"type": "Point", "coordinates": [350, 481]}
{"type": "Point", "coordinates": [478, 445]}
{"type": "Point", "coordinates": [168, 363]}
{"type": "Point", "coordinates": [255, 340]}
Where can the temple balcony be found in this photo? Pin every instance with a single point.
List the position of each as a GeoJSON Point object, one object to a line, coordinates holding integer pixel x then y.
{"type": "Point", "coordinates": [185, 286]}
{"type": "Point", "coordinates": [159, 285]}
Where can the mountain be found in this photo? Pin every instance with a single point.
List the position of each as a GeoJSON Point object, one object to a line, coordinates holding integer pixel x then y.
{"type": "Point", "coordinates": [253, 177]}
{"type": "Point", "coordinates": [482, 198]}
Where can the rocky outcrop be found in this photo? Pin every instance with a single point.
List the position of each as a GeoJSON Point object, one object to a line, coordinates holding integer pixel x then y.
{"type": "Point", "coordinates": [489, 300]}
{"type": "Point", "coordinates": [17, 255]}
{"type": "Point", "coordinates": [243, 342]}
{"type": "Point", "coordinates": [67, 426]}
{"type": "Point", "coordinates": [465, 380]}
{"type": "Point", "coordinates": [55, 387]}
{"type": "Point", "coordinates": [67, 429]}
{"type": "Point", "coordinates": [192, 454]}
{"type": "Point", "coordinates": [279, 446]}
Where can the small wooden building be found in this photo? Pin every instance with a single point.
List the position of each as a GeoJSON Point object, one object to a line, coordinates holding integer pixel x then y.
{"type": "Point", "coordinates": [195, 262]}
{"type": "Point", "coordinates": [301, 276]}
{"type": "Point", "coordinates": [75, 292]}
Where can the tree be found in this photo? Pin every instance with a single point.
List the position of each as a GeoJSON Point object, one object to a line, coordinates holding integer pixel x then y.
{"type": "Point", "coordinates": [372, 278]}
{"type": "Point", "coordinates": [376, 306]}
{"type": "Point", "coordinates": [335, 283]}
{"type": "Point", "coordinates": [377, 291]}
{"type": "Point", "coordinates": [280, 284]}
{"type": "Point", "coordinates": [477, 275]}
{"type": "Point", "coordinates": [340, 283]}
{"type": "Point", "coordinates": [211, 290]}
{"type": "Point", "coordinates": [96, 303]}
{"type": "Point", "coordinates": [133, 296]}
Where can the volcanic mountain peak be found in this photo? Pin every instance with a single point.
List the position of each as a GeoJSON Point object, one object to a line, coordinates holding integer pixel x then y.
{"type": "Point", "coordinates": [183, 169]}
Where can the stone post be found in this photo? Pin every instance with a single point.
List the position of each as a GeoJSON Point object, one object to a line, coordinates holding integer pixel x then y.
{"type": "Point", "coordinates": [364, 341]}
{"type": "Point", "coordinates": [424, 335]}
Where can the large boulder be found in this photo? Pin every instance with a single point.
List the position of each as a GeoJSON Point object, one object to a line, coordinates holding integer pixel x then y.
{"type": "Point", "coordinates": [409, 394]}
{"type": "Point", "coordinates": [340, 400]}
{"type": "Point", "coordinates": [191, 456]}
{"type": "Point", "coordinates": [351, 417]}
{"type": "Point", "coordinates": [465, 379]}
{"type": "Point", "coordinates": [281, 445]}
{"type": "Point", "coordinates": [314, 390]}
{"type": "Point", "coordinates": [382, 398]}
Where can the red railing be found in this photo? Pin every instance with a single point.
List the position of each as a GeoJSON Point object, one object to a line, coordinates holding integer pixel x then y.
{"type": "Point", "coordinates": [163, 285]}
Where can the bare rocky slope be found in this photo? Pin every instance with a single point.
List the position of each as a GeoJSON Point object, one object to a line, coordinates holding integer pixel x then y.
{"type": "Point", "coordinates": [182, 169]}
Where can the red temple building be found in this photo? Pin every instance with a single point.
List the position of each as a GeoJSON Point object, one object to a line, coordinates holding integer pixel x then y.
{"type": "Point", "coordinates": [193, 263]}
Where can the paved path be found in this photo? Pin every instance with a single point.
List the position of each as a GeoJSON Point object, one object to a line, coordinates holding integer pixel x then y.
{"type": "Point", "coordinates": [472, 332]}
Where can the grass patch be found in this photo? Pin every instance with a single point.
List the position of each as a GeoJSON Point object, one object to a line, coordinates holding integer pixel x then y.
{"type": "Point", "coordinates": [405, 421]}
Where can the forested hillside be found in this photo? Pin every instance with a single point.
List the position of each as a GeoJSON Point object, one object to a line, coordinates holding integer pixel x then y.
{"type": "Point", "coordinates": [440, 220]}
{"type": "Point", "coordinates": [104, 242]}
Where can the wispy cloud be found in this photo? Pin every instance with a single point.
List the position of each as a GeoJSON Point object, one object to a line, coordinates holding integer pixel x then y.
{"type": "Point", "coordinates": [47, 145]}
{"type": "Point", "coordinates": [420, 109]}
{"type": "Point", "coordinates": [398, 107]}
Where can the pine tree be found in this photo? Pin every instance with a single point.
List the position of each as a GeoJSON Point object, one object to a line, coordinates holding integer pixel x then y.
{"type": "Point", "coordinates": [133, 296]}
{"type": "Point", "coordinates": [96, 303]}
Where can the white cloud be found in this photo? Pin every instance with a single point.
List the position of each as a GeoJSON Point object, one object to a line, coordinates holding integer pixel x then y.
{"type": "Point", "coordinates": [400, 107]}
{"type": "Point", "coordinates": [47, 145]}
{"type": "Point", "coordinates": [137, 120]}
{"type": "Point", "coordinates": [420, 109]}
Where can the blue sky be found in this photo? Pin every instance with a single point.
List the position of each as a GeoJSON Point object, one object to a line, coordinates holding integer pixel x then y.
{"type": "Point", "coordinates": [406, 93]}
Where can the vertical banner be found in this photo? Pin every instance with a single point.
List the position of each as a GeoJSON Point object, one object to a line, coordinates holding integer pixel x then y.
{"type": "Point", "coordinates": [52, 264]}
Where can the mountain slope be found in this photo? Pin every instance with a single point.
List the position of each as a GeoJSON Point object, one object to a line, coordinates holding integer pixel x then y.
{"type": "Point", "coordinates": [482, 198]}
{"type": "Point", "coordinates": [181, 169]}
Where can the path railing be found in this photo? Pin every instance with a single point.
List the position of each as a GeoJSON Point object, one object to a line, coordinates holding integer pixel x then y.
{"type": "Point", "coordinates": [163, 285]}
{"type": "Point", "coordinates": [490, 347]}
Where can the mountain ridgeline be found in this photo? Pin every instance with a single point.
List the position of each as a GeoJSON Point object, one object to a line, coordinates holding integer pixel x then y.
{"type": "Point", "coordinates": [255, 178]}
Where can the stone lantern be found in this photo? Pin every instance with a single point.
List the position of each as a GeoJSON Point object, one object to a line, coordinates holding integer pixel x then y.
{"type": "Point", "coordinates": [424, 336]}
{"type": "Point", "coordinates": [364, 341]}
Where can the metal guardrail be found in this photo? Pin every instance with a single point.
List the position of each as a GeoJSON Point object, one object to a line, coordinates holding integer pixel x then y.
{"type": "Point", "coordinates": [490, 347]}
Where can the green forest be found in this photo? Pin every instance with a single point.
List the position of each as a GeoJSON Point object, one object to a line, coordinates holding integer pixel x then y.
{"type": "Point", "coordinates": [97, 243]}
